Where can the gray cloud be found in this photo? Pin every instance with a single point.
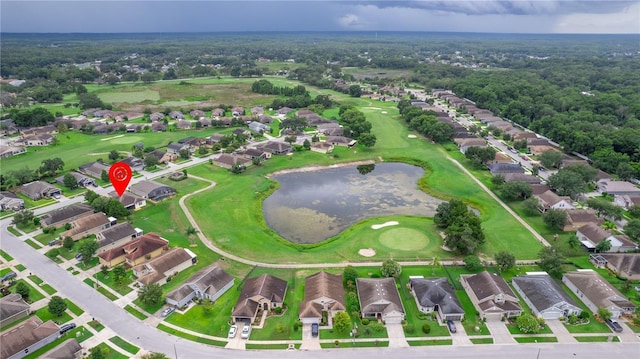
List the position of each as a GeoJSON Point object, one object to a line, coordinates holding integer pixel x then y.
{"type": "Point", "coordinates": [512, 7]}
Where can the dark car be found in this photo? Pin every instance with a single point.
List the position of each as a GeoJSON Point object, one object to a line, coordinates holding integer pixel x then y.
{"type": "Point", "coordinates": [614, 325]}
{"type": "Point", "coordinates": [314, 329]}
{"type": "Point", "coordinates": [451, 325]}
{"type": "Point", "coordinates": [67, 327]}
{"type": "Point", "coordinates": [8, 276]}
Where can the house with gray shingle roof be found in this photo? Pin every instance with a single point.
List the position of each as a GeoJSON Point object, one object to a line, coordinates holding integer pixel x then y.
{"type": "Point", "coordinates": [491, 295]}
{"type": "Point", "coordinates": [10, 202]}
{"type": "Point", "coordinates": [94, 169]}
{"type": "Point", "coordinates": [210, 282]}
{"type": "Point", "coordinates": [591, 234]}
{"type": "Point", "coordinates": [577, 218]}
{"type": "Point", "coordinates": [12, 308]}
{"type": "Point", "coordinates": [595, 292]}
{"type": "Point", "coordinates": [502, 168]}
{"type": "Point", "coordinates": [116, 236]}
{"type": "Point", "coordinates": [152, 190]}
{"type": "Point", "coordinates": [380, 300]}
{"type": "Point", "coordinates": [550, 200]}
{"type": "Point", "coordinates": [81, 180]}
{"type": "Point", "coordinates": [544, 296]}
{"type": "Point", "coordinates": [436, 295]}
{"type": "Point", "coordinates": [626, 265]}
{"type": "Point", "coordinates": [87, 225]}
{"type": "Point", "coordinates": [227, 161]}
{"type": "Point", "coordinates": [38, 190]}
{"type": "Point", "coordinates": [62, 216]}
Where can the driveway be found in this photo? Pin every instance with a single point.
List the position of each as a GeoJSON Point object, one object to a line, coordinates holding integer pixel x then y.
{"type": "Point", "coordinates": [499, 332]}
{"type": "Point", "coordinates": [309, 342]}
{"type": "Point", "coordinates": [560, 331]}
{"type": "Point", "coordinates": [396, 336]}
{"type": "Point", "coordinates": [460, 337]}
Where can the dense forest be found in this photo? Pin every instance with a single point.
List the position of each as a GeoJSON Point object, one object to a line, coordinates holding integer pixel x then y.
{"type": "Point", "coordinates": [582, 91]}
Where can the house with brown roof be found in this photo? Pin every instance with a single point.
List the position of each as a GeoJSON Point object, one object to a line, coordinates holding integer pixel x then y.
{"type": "Point", "coordinates": [197, 114]}
{"type": "Point", "coordinates": [237, 111]}
{"type": "Point", "coordinates": [8, 151]}
{"type": "Point", "coordinates": [38, 190]}
{"type": "Point", "coordinates": [227, 161]}
{"type": "Point", "coordinates": [491, 295]}
{"type": "Point", "coordinates": [38, 140]}
{"type": "Point", "coordinates": [27, 337]}
{"type": "Point", "coordinates": [284, 111]}
{"type": "Point", "coordinates": [87, 225]}
{"type": "Point", "coordinates": [544, 296]}
{"type": "Point", "coordinates": [436, 295]}
{"type": "Point", "coordinates": [277, 148]}
{"type": "Point", "coordinates": [252, 153]}
{"type": "Point", "coordinates": [265, 292]}
{"type": "Point", "coordinates": [136, 251]}
{"type": "Point", "coordinates": [116, 236]}
{"type": "Point", "coordinates": [322, 147]}
{"type": "Point", "coordinates": [176, 115]}
{"type": "Point", "coordinates": [184, 125]}
{"type": "Point", "coordinates": [380, 300]}
{"type": "Point", "coordinates": [591, 234]}
{"type": "Point", "coordinates": [152, 190]}
{"type": "Point", "coordinates": [217, 112]}
{"type": "Point", "coordinates": [550, 200]}
{"type": "Point", "coordinates": [595, 292]}
{"type": "Point", "coordinates": [158, 127]}
{"type": "Point", "coordinates": [64, 215]}
{"type": "Point", "coordinates": [340, 141]}
{"type": "Point", "coordinates": [330, 129]}
{"type": "Point", "coordinates": [10, 202]}
{"type": "Point", "coordinates": [94, 169]}
{"type": "Point", "coordinates": [69, 349]}
{"type": "Point", "coordinates": [520, 177]}
{"type": "Point", "coordinates": [625, 265]}
{"type": "Point", "coordinates": [163, 156]}
{"type": "Point", "coordinates": [12, 308]}
{"type": "Point", "coordinates": [323, 292]}
{"type": "Point", "coordinates": [626, 201]}
{"type": "Point", "coordinates": [577, 218]}
{"type": "Point", "coordinates": [210, 282]}
{"type": "Point", "coordinates": [159, 269]}
{"type": "Point", "coordinates": [129, 200]}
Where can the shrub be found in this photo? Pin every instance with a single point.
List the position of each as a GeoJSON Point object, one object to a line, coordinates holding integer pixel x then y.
{"type": "Point", "coordinates": [296, 325]}
{"type": "Point", "coordinates": [53, 253]}
{"type": "Point", "coordinates": [377, 326]}
{"type": "Point", "coordinates": [421, 316]}
{"type": "Point", "coordinates": [278, 310]}
{"type": "Point", "coordinates": [367, 331]}
{"type": "Point", "coordinates": [365, 321]}
{"type": "Point", "coordinates": [426, 328]}
{"type": "Point", "coordinates": [584, 315]}
{"type": "Point", "coordinates": [409, 328]}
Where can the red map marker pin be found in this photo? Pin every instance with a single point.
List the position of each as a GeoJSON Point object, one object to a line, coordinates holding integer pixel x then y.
{"type": "Point", "coordinates": [120, 175]}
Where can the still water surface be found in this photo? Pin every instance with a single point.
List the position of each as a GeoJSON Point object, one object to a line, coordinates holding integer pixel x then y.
{"type": "Point", "coordinates": [310, 207]}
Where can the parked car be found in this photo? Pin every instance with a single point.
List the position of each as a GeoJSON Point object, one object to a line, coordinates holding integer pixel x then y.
{"type": "Point", "coordinates": [314, 329]}
{"type": "Point", "coordinates": [8, 276]}
{"type": "Point", "coordinates": [246, 330]}
{"type": "Point", "coordinates": [614, 325]}
{"type": "Point", "coordinates": [166, 312]}
{"type": "Point", "coordinates": [79, 257]}
{"type": "Point", "coordinates": [54, 242]}
{"type": "Point", "coordinates": [232, 331]}
{"type": "Point", "coordinates": [451, 325]}
{"type": "Point", "coordinates": [67, 327]}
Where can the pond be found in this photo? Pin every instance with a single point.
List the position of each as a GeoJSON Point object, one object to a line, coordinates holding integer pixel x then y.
{"type": "Point", "coordinates": [312, 206]}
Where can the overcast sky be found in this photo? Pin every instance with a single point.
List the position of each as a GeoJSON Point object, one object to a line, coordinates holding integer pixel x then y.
{"type": "Point", "coordinates": [520, 16]}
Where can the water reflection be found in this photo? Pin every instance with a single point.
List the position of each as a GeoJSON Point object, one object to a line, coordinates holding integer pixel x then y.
{"type": "Point", "coordinates": [310, 207]}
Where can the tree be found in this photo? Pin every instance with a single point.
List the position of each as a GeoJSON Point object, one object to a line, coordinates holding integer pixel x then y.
{"type": "Point", "coordinates": [290, 139]}
{"type": "Point", "coordinates": [151, 161]}
{"type": "Point", "coordinates": [604, 313]}
{"type": "Point", "coordinates": [550, 158]}
{"type": "Point", "coordinates": [367, 139]}
{"type": "Point", "coordinates": [306, 144]}
{"type": "Point", "coordinates": [51, 166]}
{"type": "Point", "coordinates": [104, 176]}
{"type": "Point", "coordinates": [87, 249]}
{"type": "Point", "coordinates": [391, 268]}
{"type": "Point", "coordinates": [23, 217]}
{"type": "Point", "coordinates": [531, 206]}
{"type": "Point", "coordinates": [472, 263]}
{"type": "Point", "coordinates": [114, 155]}
{"type": "Point", "coordinates": [104, 270]}
{"type": "Point", "coordinates": [70, 181]}
{"type": "Point", "coordinates": [68, 243]}
{"type": "Point", "coordinates": [505, 260]}
{"type": "Point", "coordinates": [555, 218]}
{"type": "Point", "coordinates": [480, 155]}
{"type": "Point", "coordinates": [150, 294]}
{"type": "Point", "coordinates": [355, 91]}
{"type": "Point", "coordinates": [551, 261]}
{"type": "Point", "coordinates": [632, 229]}
{"type": "Point", "coordinates": [118, 273]}
{"type": "Point", "coordinates": [349, 274]}
{"type": "Point", "coordinates": [97, 353]}
{"type": "Point", "coordinates": [23, 289]}
{"type": "Point", "coordinates": [528, 324]}
{"type": "Point", "coordinates": [57, 306]}
{"type": "Point", "coordinates": [341, 322]}
{"type": "Point", "coordinates": [207, 306]}
{"type": "Point", "coordinates": [606, 209]}
{"type": "Point", "coordinates": [566, 183]}
{"type": "Point", "coordinates": [603, 246]}
{"type": "Point", "coordinates": [184, 154]}
{"type": "Point", "coordinates": [516, 189]}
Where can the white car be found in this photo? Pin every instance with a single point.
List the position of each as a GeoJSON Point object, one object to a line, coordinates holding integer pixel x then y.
{"type": "Point", "coordinates": [232, 331]}
{"type": "Point", "coordinates": [246, 330]}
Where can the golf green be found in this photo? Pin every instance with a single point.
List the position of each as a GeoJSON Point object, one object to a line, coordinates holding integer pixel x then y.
{"type": "Point", "coordinates": [404, 239]}
{"type": "Point", "coordinates": [125, 140]}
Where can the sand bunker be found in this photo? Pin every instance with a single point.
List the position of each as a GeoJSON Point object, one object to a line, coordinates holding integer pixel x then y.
{"type": "Point", "coordinates": [367, 252]}
{"type": "Point", "coordinates": [412, 136]}
{"type": "Point", "coordinates": [111, 138]}
{"type": "Point", "coordinates": [384, 112]}
{"type": "Point", "coordinates": [386, 224]}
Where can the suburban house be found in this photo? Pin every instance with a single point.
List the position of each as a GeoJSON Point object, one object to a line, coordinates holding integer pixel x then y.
{"type": "Point", "coordinates": [184, 124]}
{"type": "Point", "coordinates": [330, 129]}
{"type": "Point", "coordinates": [227, 161]}
{"type": "Point", "coordinates": [159, 269]}
{"type": "Point", "coordinates": [136, 251]}
{"type": "Point", "coordinates": [69, 349]}
{"type": "Point", "coordinates": [163, 156]}
{"type": "Point", "coordinates": [38, 190]}
{"type": "Point", "coordinates": [176, 115]}
{"type": "Point", "coordinates": [323, 292]}
{"type": "Point", "coordinates": [116, 235]}
{"type": "Point", "coordinates": [12, 308]}
{"type": "Point", "coordinates": [625, 265]}
{"type": "Point", "coordinates": [259, 127]}
{"type": "Point", "coordinates": [265, 292]}
{"type": "Point", "coordinates": [217, 112]}
{"type": "Point", "coordinates": [491, 295]}
{"type": "Point", "coordinates": [618, 188]}
{"type": "Point", "coordinates": [94, 169]}
{"type": "Point", "coordinates": [577, 218]}
{"type": "Point", "coordinates": [129, 200]}
{"type": "Point", "coordinates": [176, 147]}
{"type": "Point", "coordinates": [10, 202]}
{"type": "Point", "coordinates": [136, 164]}
{"type": "Point", "coordinates": [591, 234]}
{"type": "Point", "coordinates": [68, 214]}
{"type": "Point", "coordinates": [544, 296]}
{"type": "Point", "coordinates": [626, 201]}
{"type": "Point", "coordinates": [277, 148]}
{"type": "Point", "coordinates": [156, 116]}
{"type": "Point", "coordinates": [27, 337]}
{"type": "Point", "coordinates": [38, 140]}
{"type": "Point", "coordinates": [237, 111]}
{"type": "Point", "coordinates": [380, 300]}
{"type": "Point", "coordinates": [215, 138]}
{"type": "Point", "coordinates": [152, 190]}
{"type": "Point", "coordinates": [210, 282]}
{"type": "Point", "coordinates": [197, 114]}
{"type": "Point", "coordinates": [436, 295]}
{"type": "Point", "coordinates": [81, 180]}
{"type": "Point", "coordinates": [252, 153]}
{"type": "Point", "coordinates": [284, 111]}
{"type": "Point", "coordinates": [340, 141]}
{"type": "Point", "coordinates": [550, 200]}
{"type": "Point", "coordinates": [204, 122]}
{"type": "Point", "coordinates": [504, 168]}
{"type": "Point", "coordinates": [520, 177]}
{"type": "Point", "coordinates": [8, 151]}
{"type": "Point", "coordinates": [595, 292]}
{"type": "Point", "coordinates": [158, 127]}
{"type": "Point", "coordinates": [87, 225]}
{"type": "Point", "coordinates": [322, 147]}
{"type": "Point", "coordinates": [258, 110]}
